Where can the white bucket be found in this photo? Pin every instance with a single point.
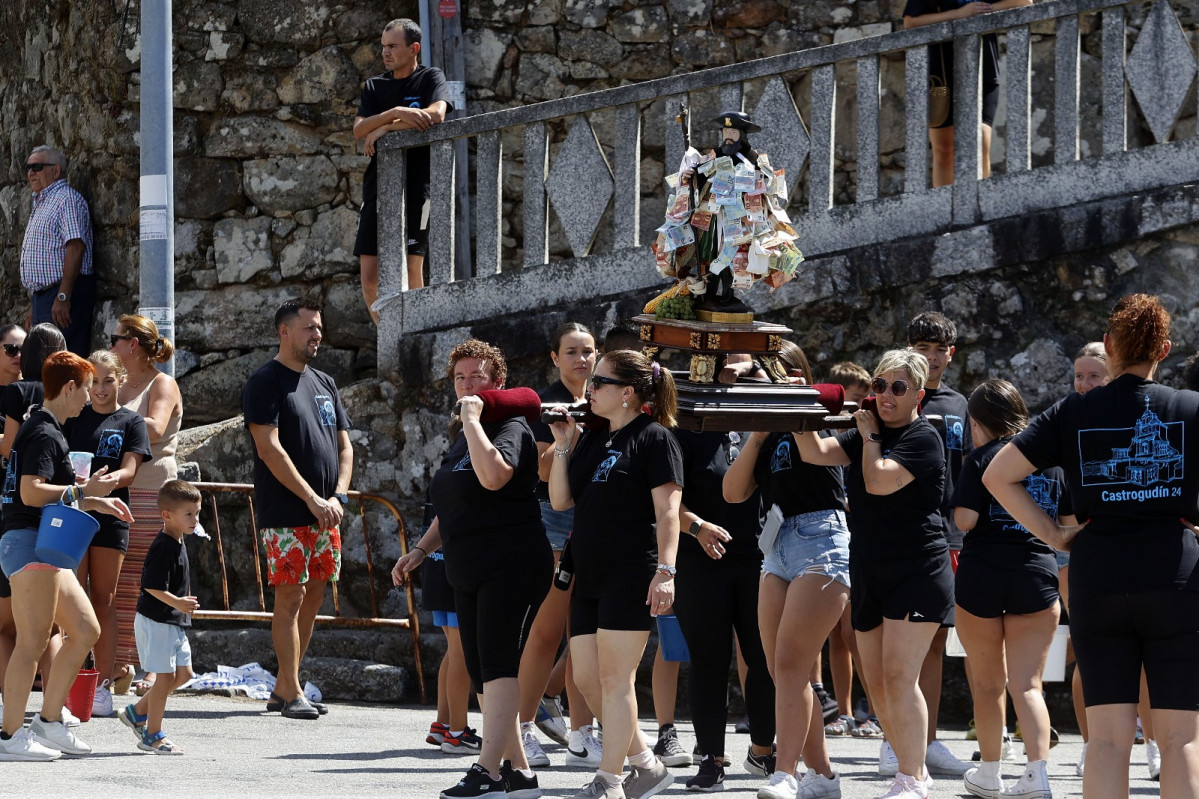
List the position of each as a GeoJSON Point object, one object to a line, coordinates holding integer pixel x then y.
{"type": "Point", "coordinates": [1055, 664]}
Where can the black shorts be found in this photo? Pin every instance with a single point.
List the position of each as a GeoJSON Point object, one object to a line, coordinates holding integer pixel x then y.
{"type": "Point", "coordinates": [494, 619]}
{"type": "Point", "coordinates": [918, 589]}
{"type": "Point", "coordinates": [988, 592]}
{"type": "Point", "coordinates": [990, 105]}
{"type": "Point", "coordinates": [367, 241]}
{"type": "Point", "coordinates": [5, 586]}
{"type": "Point", "coordinates": [617, 612]}
{"type": "Point", "coordinates": [112, 537]}
{"type": "Point", "coordinates": [1114, 636]}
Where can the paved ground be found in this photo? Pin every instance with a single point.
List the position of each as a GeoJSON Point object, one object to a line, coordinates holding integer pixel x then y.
{"type": "Point", "coordinates": [235, 749]}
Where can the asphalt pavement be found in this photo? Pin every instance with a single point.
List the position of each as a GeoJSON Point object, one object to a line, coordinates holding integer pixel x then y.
{"type": "Point", "coordinates": [235, 749]}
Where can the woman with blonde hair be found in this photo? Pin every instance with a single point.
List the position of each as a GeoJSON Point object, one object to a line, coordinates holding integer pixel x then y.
{"type": "Point", "coordinates": [116, 437]}
{"type": "Point", "coordinates": [155, 397]}
{"type": "Point", "coordinates": [901, 582]}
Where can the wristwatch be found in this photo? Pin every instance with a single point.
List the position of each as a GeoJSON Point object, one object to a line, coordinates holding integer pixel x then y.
{"type": "Point", "coordinates": [875, 437]}
{"type": "Point", "coordinates": [344, 499]}
{"type": "Point", "coordinates": [695, 528]}
{"type": "Point", "coordinates": [63, 297]}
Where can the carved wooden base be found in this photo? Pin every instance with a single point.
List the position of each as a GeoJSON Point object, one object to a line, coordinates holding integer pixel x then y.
{"type": "Point", "coordinates": [709, 342]}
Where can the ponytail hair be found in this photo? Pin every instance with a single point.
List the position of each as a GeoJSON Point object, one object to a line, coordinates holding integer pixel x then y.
{"type": "Point", "coordinates": [650, 383]}
{"type": "Point", "coordinates": [155, 347]}
{"type": "Point", "coordinates": [997, 405]}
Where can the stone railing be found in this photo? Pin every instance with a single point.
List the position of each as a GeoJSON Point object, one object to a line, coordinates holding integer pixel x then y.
{"type": "Point", "coordinates": [579, 183]}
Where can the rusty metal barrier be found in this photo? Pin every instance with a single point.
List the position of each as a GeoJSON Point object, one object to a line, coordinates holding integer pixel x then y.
{"type": "Point", "coordinates": [412, 623]}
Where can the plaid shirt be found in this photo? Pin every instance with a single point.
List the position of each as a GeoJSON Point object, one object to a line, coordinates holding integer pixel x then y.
{"type": "Point", "coordinates": [59, 215]}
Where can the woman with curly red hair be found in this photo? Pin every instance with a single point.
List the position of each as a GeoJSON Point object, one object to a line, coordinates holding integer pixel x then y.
{"type": "Point", "coordinates": [1134, 568]}
{"type": "Point", "coordinates": [497, 559]}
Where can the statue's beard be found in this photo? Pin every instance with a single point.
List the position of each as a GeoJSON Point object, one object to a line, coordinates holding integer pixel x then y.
{"type": "Point", "coordinates": [730, 148]}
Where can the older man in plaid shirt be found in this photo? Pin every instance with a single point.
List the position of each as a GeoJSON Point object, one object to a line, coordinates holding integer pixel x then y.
{"type": "Point", "coordinates": [56, 258]}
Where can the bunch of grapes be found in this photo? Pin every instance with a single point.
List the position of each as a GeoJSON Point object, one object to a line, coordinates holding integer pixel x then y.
{"type": "Point", "coordinates": [679, 307]}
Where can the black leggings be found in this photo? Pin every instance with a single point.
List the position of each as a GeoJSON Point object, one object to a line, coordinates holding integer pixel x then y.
{"type": "Point", "coordinates": [712, 600]}
{"type": "Point", "coordinates": [494, 618]}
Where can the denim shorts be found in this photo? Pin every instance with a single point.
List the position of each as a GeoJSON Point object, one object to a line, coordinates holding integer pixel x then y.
{"type": "Point", "coordinates": [1063, 559]}
{"type": "Point", "coordinates": [811, 543]}
{"type": "Point", "coordinates": [17, 550]}
{"type": "Point", "coordinates": [558, 524]}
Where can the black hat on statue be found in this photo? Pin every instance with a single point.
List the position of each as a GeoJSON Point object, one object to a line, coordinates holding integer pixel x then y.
{"type": "Point", "coordinates": [736, 119]}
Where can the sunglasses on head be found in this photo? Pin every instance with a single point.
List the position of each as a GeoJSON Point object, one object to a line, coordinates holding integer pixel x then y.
{"type": "Point", "coordinates": [600, 380]}
{"type": "Point", "coordinates": [115, 337]}
{"type": "Point", "coordinates": [898, 388]}
{"type": "Point", "coordinates": [12, 350]}
{"type": "Point", "coordinates": [32, 167]}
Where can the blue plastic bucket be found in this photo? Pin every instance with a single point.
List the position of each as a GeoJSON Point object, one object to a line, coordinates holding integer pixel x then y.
{"type": "Point", "coordinates": [670, 638]}
{"type": "Point", "coordinates": [64, 535]}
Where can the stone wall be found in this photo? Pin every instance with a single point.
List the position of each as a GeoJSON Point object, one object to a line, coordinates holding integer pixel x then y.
{"type": "Point", "coordinates": [268, 176]}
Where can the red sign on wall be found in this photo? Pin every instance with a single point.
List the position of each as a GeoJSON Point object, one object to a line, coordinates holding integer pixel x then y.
{"type": "Point", "coordinates": [447, 9]}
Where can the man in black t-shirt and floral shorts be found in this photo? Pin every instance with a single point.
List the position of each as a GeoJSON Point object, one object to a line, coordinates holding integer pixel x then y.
{"type": "Point", "coordinates": [302, 466]}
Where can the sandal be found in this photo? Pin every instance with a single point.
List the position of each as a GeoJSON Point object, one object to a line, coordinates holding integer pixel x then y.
{"type": "Point", "coordinates": [868, 729]}
{"type": "Point", "coordinates": [842, 725]}
{"type": "Point", "coordinates": [133, 721]}
{"type": "Point", "coordinates": [142, 687]}
{"type": "Point", "coordinates": [159, 744]}
{"type": "Point", "coordinates": [121, 683]}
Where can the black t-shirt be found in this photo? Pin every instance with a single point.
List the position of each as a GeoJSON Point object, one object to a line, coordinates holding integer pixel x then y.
{"type": "Point", "coordinates": [109, 437]}
{"type": "Point", "coordinates": [795, 486]}
{"type": "Point", "coordinates": [613, 544]}
{"type": "Point", "coordinates": [558, 393]}
{"type": "Point", "coordinates": [706, 458]}
{"type": "Point", "coordinates": [952, 407]}
{"type": "Point", "coordinates": [307, 409]}
{"type": "Point", "coordinates": [39, 449]}
{"type": "Point", "coordinates": [20, 396]}
{"type": "Point", "coordinates": [425, 86]}
{"type": "Point", "coordinates": [997, 537]}
{"type": "Point", "coordinates": [943, 51]}
{"type": "Point", "coordinates": [165, 569]}
{"type": "Point", "coordinates": [483, 531]}
{"type": "Point", "coordinates": [1124, 448]}
{"type": "Point", "coordinates": [906, 523]}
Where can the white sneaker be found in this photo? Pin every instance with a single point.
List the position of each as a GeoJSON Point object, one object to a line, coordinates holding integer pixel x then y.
{"type": "Point", "coordinates": [102, 704]}
{"type": "Point", "coordinates": [938, 758]}
{"type": "Point", "coordinates": [984, 781]}
{"type": "Point", "coordinates": [533, 752]}
{"type": "Point", "coordinates": [815, 785]}
{"type": "Point", "coordinates": [549, 719]}
{"type": "Point", "coordinates": [1153, 758]}
{"type": "Point", "coordinates": [22, 746]}
{"type": "Point", "coordinates": [781, 786]}
{"type": "Point", "coordinates": [1007, 751]}
{"type": "Point", "coordinates": [1082, 761]}
{"type": "Point", "coordinates": [584, 750]}
{"type": "Point", "coordinates": [1033, 783]}
{"type": "Point", "coordinates": [888, 763]}
{"type": "Point", "coordinates": [69, 718]}
{"type": "Point", "coordinates": [55, 735]}
{"type": "Point", "coordinates": [906, 787]}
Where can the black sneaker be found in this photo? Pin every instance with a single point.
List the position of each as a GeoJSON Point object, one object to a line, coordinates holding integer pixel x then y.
{"type": "Point", "coordinates": [828, 705]}
{"type": "Point", "coordinates": [710, 777]}
{"type": "Point", "coordinates": [477, 784]}
{"type": "Point", "coordinates": [762, 765]}
{"type": "Point", "coordinates": [519, 786]}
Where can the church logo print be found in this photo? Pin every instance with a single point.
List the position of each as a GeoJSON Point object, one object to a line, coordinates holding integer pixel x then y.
{"type": "Point", "coordinates": [1143, 455]}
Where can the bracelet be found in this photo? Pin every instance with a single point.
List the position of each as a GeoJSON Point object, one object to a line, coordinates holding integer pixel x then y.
{"type": "Point", "coordinates": [423, 553]}
{"type": "Point", "coordinates": [561, 453]}
{"type": "Point", "coordinates": [72, 495]}
{"type": "Point", "coordinates": [667, 569]}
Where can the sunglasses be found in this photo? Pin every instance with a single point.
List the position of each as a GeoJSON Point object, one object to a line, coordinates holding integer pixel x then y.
{"type": "Point", "coordinates": [115, 337]}
{"type": "Point", "coordinates": [12, 350]}
{"type": "Point", "coordinates": [600, 380]}
{"type": "Point", "coordinates": [898, 388]}
{"type": "Point", "coordinates": [732, 439]}
{"type": "Point", "coordinates": [32, 167]}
